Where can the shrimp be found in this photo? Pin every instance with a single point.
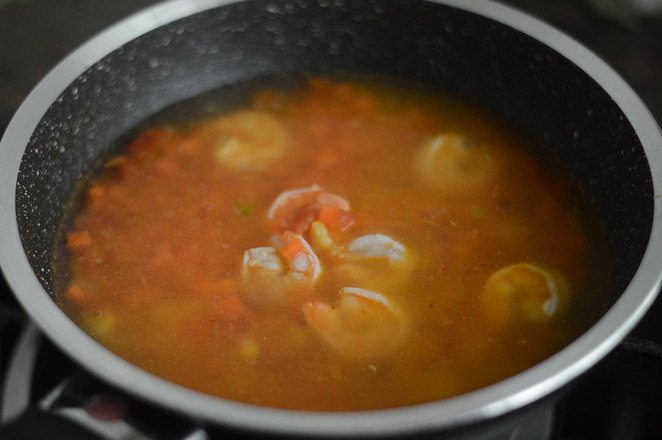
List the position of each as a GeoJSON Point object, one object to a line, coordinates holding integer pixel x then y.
{"type": "Point", "coordinates": [301, 259]}
{"type": "Point", "coordinates": [453, 164]}
{"type": "Point", "coordinates": [364, 324]}
{"type": "Point", "coordinates": [294, 210]}
{"type": "Point", "coordinates": [524, 291]}
{"type": "Point", "coordinates": [247, 140]}
{"type": "Point", "coordinates": [281, 274]}
{"type": "Point", "coordinates": [374, 261]}
{"type": "Point", "coordinates": [377, 246]}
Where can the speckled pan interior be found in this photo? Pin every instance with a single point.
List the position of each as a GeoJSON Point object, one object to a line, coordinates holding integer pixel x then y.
{"type": "Point", "coordinates": [520, 68]}
{"type": "Point", "coordinates": [485, 61]}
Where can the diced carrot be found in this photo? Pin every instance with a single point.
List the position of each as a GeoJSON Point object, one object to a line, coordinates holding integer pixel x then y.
{"type": "Point", "coordinates": [292, 248]}
{"type": "Point", "coordinates": [163, 257]}
{"type": "Point", "coordinates": [75, 294]}
{"type": "Point", "coordinates": [268, 100]}
{"type": "Point", "coordinates": [232, 306]}
{"type": "Point", "coordinates": [326, 159]}
{"type": "Point", "coordinates": [343, 91]}
{"type": "Point", "coordinates": [318, 85]}
{"type": "Point", "coordinates": [190, 145]}
{"type": "Point", "coordinates": [329, 215]}
{"type": "Point", "coordinates": [318, 129]}
{"type": "Point", "coordinates": [167, 166]}
{"type": "Point", "coordinates": [207, 286]}
{"type": "Point", "coordinates": [79, 240]}
{"type": "Point", "coordinates": [217, 287]}
{"type": "Point", "coordinates": [228, 286]}
{"type": "Point", "coordinates": [335, 218]}
{"type": "Point", "coordinates": [96, 193]}
{"type": "Point", "coordinates": [362, 104]}
{"type": "Point", "coordinates": [151, 138]}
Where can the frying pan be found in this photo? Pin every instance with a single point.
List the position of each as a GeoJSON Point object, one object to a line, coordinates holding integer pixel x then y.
{"type": "Point", "coordinates": [530, 73]}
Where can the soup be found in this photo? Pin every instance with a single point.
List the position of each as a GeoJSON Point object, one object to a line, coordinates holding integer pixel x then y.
{"type": "Point", "coordinates": [333, 244]}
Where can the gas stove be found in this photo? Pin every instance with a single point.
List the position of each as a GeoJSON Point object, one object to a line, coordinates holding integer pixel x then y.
{"type": "Point", "coordinates": [618, 399]}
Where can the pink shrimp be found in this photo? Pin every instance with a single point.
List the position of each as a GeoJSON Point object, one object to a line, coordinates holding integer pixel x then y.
{"type": "Point", "coordinates": [363, 324]}
{"type": "Point", "coordinates": [526, 292]}
{"type": "Point", "coordinates": [280, 274]}
{"type": "Point", "coordinates": [294, 210]}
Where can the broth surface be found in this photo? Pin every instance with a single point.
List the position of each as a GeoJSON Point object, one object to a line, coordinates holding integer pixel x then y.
{"type": "Point", "coordinates": [423, 250]}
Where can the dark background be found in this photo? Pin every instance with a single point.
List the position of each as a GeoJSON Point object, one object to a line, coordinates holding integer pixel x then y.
{"type": "Point", "coordinates": [36, 34]}
{"type": "Point", "coordinates": [622, 397]}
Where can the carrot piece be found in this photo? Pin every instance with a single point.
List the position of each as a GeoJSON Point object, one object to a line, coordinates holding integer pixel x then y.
{"type": "Point", "coordinates": [96, 193]}
{"type": "Point", "coordinates": [232, 306]}
{"type": "Point", "coordinates": [213, 286]}
{"type": "Point", "coordinates": [328, 215]}
{"type": "Point", "coordinates": [190, 145]}
{"type": "Point", "coordinates": [320, 85]}
{"type": "Point", "coordinates": [151, 138]}
{"type": "Point", "coordinates": [327, 158]}
{"type": "Point", "coordinates": [167, 166]}
{"type": "Point", "coordinates": [228, 286]}
{"type": "Point", "coordinates": [268, 100]}
{"type": "Point", "coordinates": [335, 218]}
{"type": "Point", "coordinates": [362, 104]}
{"type": "Point", "coordinates": [343, 91]}
{"type": "Point", "coordinates": [163, 257]}
{"type": "Point", "coordinates": [79, 240]}
{"type": "Point", "coordinates": [292, 248]}
{"type": "Point", "coordinates": [75, 294]}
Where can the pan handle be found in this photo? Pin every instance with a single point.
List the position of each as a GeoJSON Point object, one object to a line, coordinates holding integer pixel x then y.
{"type": "Point", "coordinates": [35, 424]}
{"type": "Point", "coordinates": [79, 406]}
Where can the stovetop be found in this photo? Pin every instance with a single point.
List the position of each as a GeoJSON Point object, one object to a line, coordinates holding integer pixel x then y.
{"type": "Point", "coordinates": [620, 398]}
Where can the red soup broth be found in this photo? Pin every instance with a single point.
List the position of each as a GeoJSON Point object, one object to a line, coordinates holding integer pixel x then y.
{"type": "Point", "coordinates": [343, 244]}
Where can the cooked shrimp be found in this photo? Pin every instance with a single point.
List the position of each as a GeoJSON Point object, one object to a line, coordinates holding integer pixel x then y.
{"type": "Point", "coordinates": [363, 324]}
{"type": "Point", "coordinates": [301, 259]}
{"type": "Point", "coordinates": [453, 164]}
{"type": "Point", "coordinates": [246, 140]}
{"type": "Point", "coordinates": [374, 261]}
{"type": "Point", "coordinates": [377, 246]}
{"type": "Point", "coordinates": [524, 291]}
{"type": "Point", "coordinates": [262, 276]}
{"type": "Point", "coordinates": [279, 275]}
{"type": "Point", "coordinates": [296, 209]}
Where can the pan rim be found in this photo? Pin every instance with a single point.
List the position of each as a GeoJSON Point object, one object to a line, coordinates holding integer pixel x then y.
{"type": "Point", "coordinates": [495, 400]}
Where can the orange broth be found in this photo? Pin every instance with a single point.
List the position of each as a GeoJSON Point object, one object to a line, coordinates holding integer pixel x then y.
{"type": "Point", "coordinates": [153, 261]}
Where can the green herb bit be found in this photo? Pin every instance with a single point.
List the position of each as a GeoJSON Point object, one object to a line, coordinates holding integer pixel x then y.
{"type": "Point", "coordinates": [477, 212]}
{"type": "Point", "coordinates": [244, 208]}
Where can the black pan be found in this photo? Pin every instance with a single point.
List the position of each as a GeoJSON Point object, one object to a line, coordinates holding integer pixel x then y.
{"type": "Point", "coordinates": [528, 72]}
